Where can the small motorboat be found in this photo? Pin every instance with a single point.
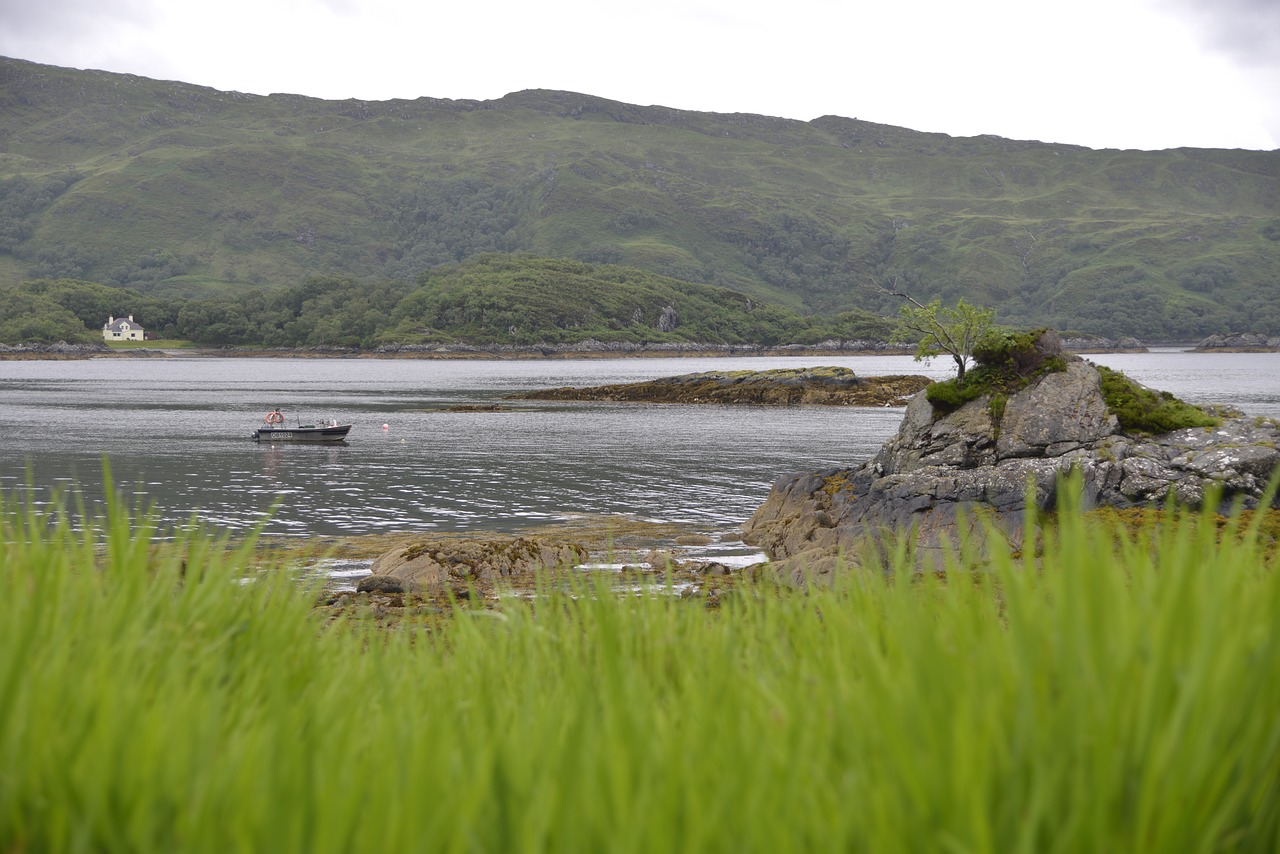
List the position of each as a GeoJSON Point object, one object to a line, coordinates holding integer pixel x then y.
{"type": "Point", "coordinates": [275, 430]}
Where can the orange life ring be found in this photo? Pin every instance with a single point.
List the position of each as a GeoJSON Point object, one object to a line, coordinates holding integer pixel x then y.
{"type": "Point", "coordinates": [275, 418]}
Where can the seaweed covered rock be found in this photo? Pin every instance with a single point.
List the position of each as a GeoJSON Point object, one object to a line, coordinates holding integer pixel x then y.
{"type": "Point", "coordinates": [1028, 413]}
{"type": "Point", "coordinates": [435, 561]}
{"type": "Point", "coordinates": [829, 386]}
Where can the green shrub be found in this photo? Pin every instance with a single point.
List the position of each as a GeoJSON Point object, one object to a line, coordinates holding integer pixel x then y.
{"type": "Point", "coordinates": [1143, 410]}
{"type": "Point", "coordinates": [1006, 361]}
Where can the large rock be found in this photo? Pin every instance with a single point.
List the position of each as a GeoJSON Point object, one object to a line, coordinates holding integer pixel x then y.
{"type": "Point", "coordinates": [942, 472]}
{"type": "Point", "coordinates": [438, 561]}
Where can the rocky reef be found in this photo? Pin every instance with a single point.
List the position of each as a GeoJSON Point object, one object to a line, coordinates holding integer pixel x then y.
{"type": "Point", "coordinates": [1098, 344]}
{"type": "Point", "coordinates": [1240, 342]}
{"type": "Point", "coordinates": [828, 386]}
{"type": "Point", "coordinates": [985, 447]}
{"type": "Point", "coordinates": [59, 350]}
{"type": "Point", "coordinates": [435, 562]}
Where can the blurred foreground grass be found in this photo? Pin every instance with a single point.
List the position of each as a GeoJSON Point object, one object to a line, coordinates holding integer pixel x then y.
{"type": "Point", "coordinates": [1119, 691]}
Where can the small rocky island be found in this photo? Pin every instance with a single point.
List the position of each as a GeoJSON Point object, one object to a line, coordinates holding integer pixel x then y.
{"type": "Point", "coordinates": [828, 386]}
{"type": "Point", "coordinates": [1240, 342]}
{"type": "Point", "coordinates": [1029, 412]}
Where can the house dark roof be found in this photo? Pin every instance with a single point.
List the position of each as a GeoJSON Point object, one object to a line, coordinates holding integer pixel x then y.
{"type": "Point", "coordinates": [120, 322]}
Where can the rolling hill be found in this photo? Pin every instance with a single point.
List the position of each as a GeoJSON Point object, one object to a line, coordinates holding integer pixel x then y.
{"type": "Point", "coordinates": [185, 192]}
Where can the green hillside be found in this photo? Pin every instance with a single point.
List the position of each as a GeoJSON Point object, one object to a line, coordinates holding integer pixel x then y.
{"type": "Point", "coordinates": [187, 192]}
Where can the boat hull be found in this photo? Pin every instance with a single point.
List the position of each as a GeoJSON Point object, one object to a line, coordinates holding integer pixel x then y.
{"type": "Point", "coordinates": [336, 433]}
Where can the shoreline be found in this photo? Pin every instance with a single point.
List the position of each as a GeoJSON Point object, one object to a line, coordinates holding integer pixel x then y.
{"type": "Point", "coordinates": [65, 352]}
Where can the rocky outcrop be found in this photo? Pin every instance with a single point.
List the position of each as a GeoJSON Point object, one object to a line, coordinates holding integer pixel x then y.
{"type": "Point", "coordinates": [943, 471]}
{"type": "Point", "coordinates": [441, 561]}
{"type": "Point", "coordinates": [1241, 342]}
{"type": "Point", "coordinates": [1091, 344]}
{"type": "Point", "coordinates": [782, 387]}
{"type": "Point", "coordinates": [59, 350]}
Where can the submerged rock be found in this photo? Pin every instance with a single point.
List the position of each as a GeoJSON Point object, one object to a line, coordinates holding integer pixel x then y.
{"type": "Point", "coordinates": [829, 386]}
{"type": "Point", "coordinates": [994, 453]}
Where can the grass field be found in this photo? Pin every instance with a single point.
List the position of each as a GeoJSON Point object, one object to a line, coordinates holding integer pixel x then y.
{"type": "Point", "coordinates": [1119, 692]}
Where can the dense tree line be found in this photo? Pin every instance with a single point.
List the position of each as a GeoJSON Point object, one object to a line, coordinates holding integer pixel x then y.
{"type": "Point", "coordinates": [496, 299]}
{"type": "Point", "coordinates": [505, 299]}
{"type": "Point", "coordinates": [519, 300]}
{"type": "Point", "coordinates": [50, 310]}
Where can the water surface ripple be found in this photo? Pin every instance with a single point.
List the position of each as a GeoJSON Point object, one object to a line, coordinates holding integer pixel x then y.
{"type": "Point", "coordinates": [175, 433]}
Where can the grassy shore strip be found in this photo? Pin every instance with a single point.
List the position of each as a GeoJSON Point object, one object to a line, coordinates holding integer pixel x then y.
{"type": "Point", "coordinates": [1116, 692]}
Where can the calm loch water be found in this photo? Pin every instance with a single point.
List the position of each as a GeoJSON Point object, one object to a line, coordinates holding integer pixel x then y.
{"type": "Point", "coordinates": [175, 434]}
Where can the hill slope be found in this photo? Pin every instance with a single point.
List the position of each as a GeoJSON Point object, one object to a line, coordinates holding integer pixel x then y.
{"type": "Point", "coordinates": [181, 190]}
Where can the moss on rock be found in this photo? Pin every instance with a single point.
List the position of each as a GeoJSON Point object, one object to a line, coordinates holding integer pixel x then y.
{"type": "Point", "coordinates": [1007, 362]}
{"type": "Point", "coordinates": [1143, 410]}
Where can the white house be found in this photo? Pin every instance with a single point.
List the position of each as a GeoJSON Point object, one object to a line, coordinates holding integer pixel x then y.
{"type": "Point", "coordinates": [120, 329]}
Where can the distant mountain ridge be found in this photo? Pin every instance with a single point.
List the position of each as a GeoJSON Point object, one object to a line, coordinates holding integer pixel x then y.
{"type": "Point", "coordinates": [182, 190]}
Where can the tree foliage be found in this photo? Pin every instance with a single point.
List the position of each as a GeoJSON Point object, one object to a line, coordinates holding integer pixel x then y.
{"type": "Point", "coordinates": [50, 310]}
{"type": "Point", "coordinates": [23, 199]}
{"type": "Point", "coordinates": [938, 330]}
{"type": "Point", "coordinates": [495, 299]}
{"type": "Point", "coordinates": [522, 301]}
{"type": "Point", "coordinates": [32, 319]}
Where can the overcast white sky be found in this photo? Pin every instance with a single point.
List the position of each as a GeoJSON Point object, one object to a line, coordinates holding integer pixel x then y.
{"type": "Point", "coordinates": [1146, 74]}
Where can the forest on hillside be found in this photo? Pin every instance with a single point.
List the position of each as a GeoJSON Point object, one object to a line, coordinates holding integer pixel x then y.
{"type": "Point", "coordinates": [491, 300]}
{"type": "Point", "coordinates": [219, 200]}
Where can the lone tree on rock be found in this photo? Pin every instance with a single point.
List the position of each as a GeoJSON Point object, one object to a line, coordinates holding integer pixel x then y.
{"type": "Point", "coordinates": [938, 330]}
